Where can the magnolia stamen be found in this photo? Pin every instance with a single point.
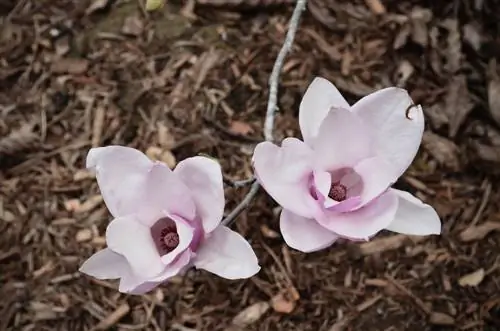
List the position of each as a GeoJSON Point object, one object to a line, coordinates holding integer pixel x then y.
{"type": "Point", "coordinates": [338, 192]}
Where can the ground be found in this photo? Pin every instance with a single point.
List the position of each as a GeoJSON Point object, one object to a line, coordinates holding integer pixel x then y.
{"type": "Point", "coordinates": [179, 82]}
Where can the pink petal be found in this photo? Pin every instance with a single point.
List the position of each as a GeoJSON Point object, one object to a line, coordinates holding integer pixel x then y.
{"type": "Point", "coordinates": [322, 182]}
{"type": "Point", "coordinates": [414, 217]}
{"type": "Point", "coordinates": [343, 140]}
{"type": "Point", "coordinates": [320, 96]}
{"type": "Point", "coordinates": [186, 233]}
{"type": "Point", "coordinates": [105, 264]}
{"type": "Point", "coordinates": [364, 222]}
{"type": "Point", "coordinates": [397, 138]}
{"type": "Point", "coordinates": [377, 176]}
{"type": "Point", "coordinates": [285, 172]}
{"type": "Point", "coordinates": [132, 239]}
{"type": "Point", "coordinates": [203, 177]}
{"type": "Point", "coordinates": [227, 254]}
{"type": "Point", "coordinates": [132, 284]}
{"type": "Point", "coordinates": [121, 174]}
{"type": "Point", "coordinates": [165, 192]}
{"type": "Point", "coordinates": [304, 234]}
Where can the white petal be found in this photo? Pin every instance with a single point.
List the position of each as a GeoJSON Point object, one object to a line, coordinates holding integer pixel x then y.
{"type": "Point", "coordinates": [413, 217]}
{"type": "Point", "coordinates": [320, 96]}
{"type": "Point", "coordinates": [132, 239]}
{"type": "Point", "coordinates": [304, 234]}
{"type": "Point", "coordinates": [105, 264]}
{"type": "Point", "coordinates": [203, 177]}
{"type": "Point", "coordinates": [397, 138]}
{"type": "Point", "coordinates": [227, 254]}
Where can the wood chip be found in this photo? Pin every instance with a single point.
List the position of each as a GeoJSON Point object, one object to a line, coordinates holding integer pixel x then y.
{"type": "Point", "coordinates": [113, 318]}
{"type": "Point", "coordinates": [458, 103]}
{"type": "Point", "coordinates": [74, 66]}
{"type": "Point", "coordinates": [437, 318]}
{"type": "Point", "coordinates": [443, 150]}
{"type": "Point", "coordinates": [478, 232]}
{"type": "Point", "coordinates": [133, 26]}
{"type": "Point", "coordinates": [239, 127]}
{"type": "Point", "coordinates": [83, 235]}
{"type": "Point", "coordinates": [285, 301]}
{"type": "Point", "coordinates": [380, 245]}
{"type": "Point", "coordinates": [472, 279]}
{"type": "Point", "coordinates": [493, 91]}
{"type": "Point", "coordinates": [251, 314]}
{"type": "Point", "coordinates": [376, 7]}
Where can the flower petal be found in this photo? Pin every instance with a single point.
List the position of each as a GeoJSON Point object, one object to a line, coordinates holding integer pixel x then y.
{"type": "Point", "coordinates": [414, 217]}
{"type": "Point", "coordinates": [165, 192]}
{"type": "Point", "coordinates": [105, 264]}
{"type": "Point", "coordinates": [203, 176]}
{"type": "Point", "coordinates": [121, 173]}
{"type": "Point", "coordinates": [227, 254]}
{"type": "Point", "coordinates": [377, 176]}
{"type": "Point", "coordinates": [186, 233]}
{"type": "Point", "coordinates": [304, 234]}
{"type": "Point", "coordinates": [343, 140]}
{"type": "Point", "coordinates": [364, 222]}
{"type": "Point", "coordinates": [132, 239]}
{"type": "Point", "coordinates": [284, 172]}
{"type": "Point", "coordinates": [396, 138]}
{"type": "Point", "coordinates": [319, 97]}
{"type": "Point", "coordinates": [132, 284]}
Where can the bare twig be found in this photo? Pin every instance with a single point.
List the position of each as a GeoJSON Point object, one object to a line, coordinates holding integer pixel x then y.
{"type": "Point", "coordinates": [238, 183]}
{"type": "Point", "coordinates": [272, 101]}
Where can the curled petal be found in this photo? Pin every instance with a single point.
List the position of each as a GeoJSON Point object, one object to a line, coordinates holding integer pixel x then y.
{"type": "Point", "coordinates": [132, 239]}
{"type": "Point", "coordinates": [364, 222]}
{"type": "Point", "coordinates": [414, 217]}
{"type": "Point", "coordinates": [203, 177]}
{"type": "Point", "coordinates": [304, 234]}
{"type": "Point", "coordinates": [186, 233]}
{"type": "Point", "coordinates": [343, 140]}
{"type": "Point", "coordinates": [320, 96]}
{"type": "Point", "coordinates": [396, 137]}
{"type": "Point", "coordinates": [105, 264]}
{"type": "Point", "coordinates": [121, 173]}
{"type": "Point", "coordinates": [227, 254]}
{"type": "Point", "coordinates": [285, 173]}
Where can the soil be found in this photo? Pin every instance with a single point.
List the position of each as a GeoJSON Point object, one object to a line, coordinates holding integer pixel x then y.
{"type": "Point", "coordinates": [183, 81]}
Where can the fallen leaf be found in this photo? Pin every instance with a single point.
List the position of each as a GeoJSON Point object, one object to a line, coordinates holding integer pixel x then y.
{"type": "Point", "coordinates": [251, 314]}
{"type": "Point", "coordinates": [458, 103]}
{"type": "Point", "coordinates": [493, 91]}
{"type": "Point", "coordinates": [74, 66]}
{"type": "Point", "coordinates": [437, 318]}
{"type": "Point", "coordinates": [402, 37]}
{"type": "Point", "coordinates": [420, 17]}
{"type": "Point", "coordinates": [97, 5]}
{"type": "Point", "coordinates": [485, 156]}
{"type": "Point", "coordinates": [442, 149]}
{"type": "Point", "coordinates": [132, 26]}
{"type": "Point", "coordinates": [437, 116]}
{"type": "Point", "coordinates": [478, 232]}
{"type": "Point", "coordinates": [472, 279]}
{"type": "Point", "coordinates": [454, 46]}
{"type": "Point", "coordinates": [472, 35]}
{"type": "Point", "coordinates": [239, 127]}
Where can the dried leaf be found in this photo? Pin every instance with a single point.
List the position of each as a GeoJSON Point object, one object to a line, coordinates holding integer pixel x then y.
{"type": "Point", "coordinates": [486, 157]}
{"type": "Point", "coordinates": [454, 46]}
{"type": "Point", "coordinates": [74, 66]}
{"type": "Point", "coordinates": [437, 318]}
{"type": "Point", "coordinates": [472, 279]}
{"type": "Point", "coordinates": [159, 154]}
{"type": "Point", "coordinates": [479, 232]}
{"type": "Point", "coordinates": [458, 103]}
{"type": "Point", "coordinates": [442, 149]}
{"type": "Point", "coordinates": [97, 5]}
{"type": "Point", "coordinates": [239, 127]}
{"type": "Point", "coordinates": [420, 17]}
{"type": "Point", "coordinates": [251, 314]}
{"type": "Point", "coordinates": [132, 26]}
{"type": "Point", "coordinates": [436, 115]}
{"type": "Point", "coordinates": [268, 232]}
{"type": "Point", "coordinates": [494, 91]}
{"type": "Point", "coordinates": [472, 35]}
{"type": "Point", "coordinates": [376, 7]}
{"type": "Point", "coordinates": [402, 37]}
{"type": "Point", "coordinates": [83, 235]}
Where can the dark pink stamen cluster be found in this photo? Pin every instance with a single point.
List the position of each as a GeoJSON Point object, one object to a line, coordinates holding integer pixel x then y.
{"type": "Point", "coordinates": [169, 238]}
{"type": "Point", "coordinates": [338, 192]}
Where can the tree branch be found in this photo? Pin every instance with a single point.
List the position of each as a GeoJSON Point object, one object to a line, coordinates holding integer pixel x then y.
{"type": "Point", "coordinates": [271, 102]}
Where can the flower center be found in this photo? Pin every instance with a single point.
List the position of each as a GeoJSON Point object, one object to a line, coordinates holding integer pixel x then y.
{"type": "Point", "coordinates": [338, 192]}
{"type": "Point", "coordinates": [171, 240]}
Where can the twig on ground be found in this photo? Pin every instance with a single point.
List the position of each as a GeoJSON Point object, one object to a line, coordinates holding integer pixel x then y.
{"type": "Point", "coordinates": [238, 183]}
{"type": "Point", "coordinates": [272, 101]}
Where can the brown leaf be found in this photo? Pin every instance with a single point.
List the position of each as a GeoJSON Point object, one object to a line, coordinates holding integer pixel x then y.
{"type": "Point", "coordinates": [97, 5]}
{"type": "Point", "coordinates": [442, 149]}
{"type": "Point", "coordinates": [74, 66]}
{"type": "Point", "coordinates": [454, 46]}
{"type": "Point", "coordinates": [494, 91]}
{"type": "Point", "coordinates": [420, 17]}
{"type": "Point", "coordinates": [132, 26]}
{"type": "Point", "coordinates": [458, 103]}
{"type": "Point", "coordinates": [485, 156]}
{"type": "Point", "coordinates": [441, 319]}
{"type": "Point", "coordinates": [251, 314]}
{"type": "Point", "coordinates": [436, 115]}
{"type": "Point", "coordinates": [402, 37]}
{"type": "Point", "coordinates": [239, 127]}
{"type": "Point", "coordinates": [472, 279]}
{"type": "Point", "coordinates": [472, 35]}
{"type": "Point", "coordinates": [479, 232]}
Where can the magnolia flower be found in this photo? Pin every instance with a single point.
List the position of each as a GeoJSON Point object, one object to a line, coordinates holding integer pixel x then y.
{"type": "Point", "coordinates": [164, 221]}
{"type": "Point", "coordinates": [337, 181]}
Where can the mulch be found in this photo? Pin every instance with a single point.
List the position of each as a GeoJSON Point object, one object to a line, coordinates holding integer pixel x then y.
{"type": "Point", "coordinates": [184, 81]}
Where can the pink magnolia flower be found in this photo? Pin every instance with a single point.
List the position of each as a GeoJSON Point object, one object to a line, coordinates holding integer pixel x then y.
{"type": "Point", "coordinates": [164, 221]}
{"type": "Point", "coordinates": [337, 182]}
